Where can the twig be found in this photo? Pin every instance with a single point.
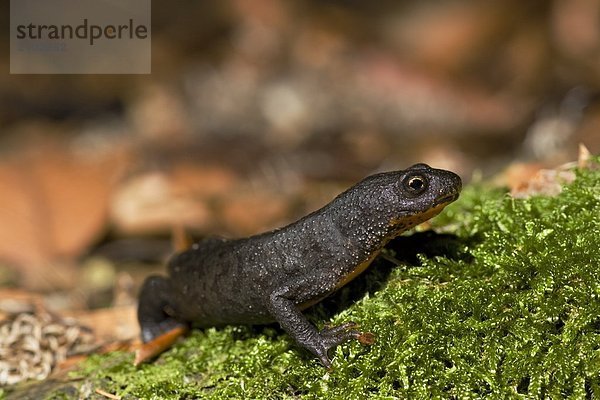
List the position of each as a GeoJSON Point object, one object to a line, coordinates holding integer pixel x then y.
{"type": "Point", "coordinates": [108, 395]}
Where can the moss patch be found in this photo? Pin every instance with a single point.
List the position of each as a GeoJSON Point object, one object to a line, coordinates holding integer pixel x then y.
{"type": "Point", "coordinates": [506, 304]}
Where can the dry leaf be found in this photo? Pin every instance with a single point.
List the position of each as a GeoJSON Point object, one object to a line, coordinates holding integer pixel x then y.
{"type": "Point", "coordinates": [160, 200]}
{"type": "Point", "coordinates": [252, 212]}
{"type": "Point", "coordinates": [114, 324]}
{"type": "Point", "coordinates": [54, 203]}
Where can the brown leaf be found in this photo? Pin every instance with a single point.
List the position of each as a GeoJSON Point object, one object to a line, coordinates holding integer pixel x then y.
{"type": "Point", "coordinates": [161, 200]}
{"type": "Point", "coordinates": [110, 324]}
{"type": "Point", "coordinates": [253, 212]}
{"type": "Point", "coordinates": [13, 301]}
{"type": "Point", "coordinates": [448, 36]}
{"type": "Point", "coordinates": [54, 204]}
{"type": "Point", "coordinates": [151, 349]}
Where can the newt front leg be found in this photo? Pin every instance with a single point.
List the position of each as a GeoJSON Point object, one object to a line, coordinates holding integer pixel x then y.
{"type": "Point", "coordinates": [306, 335]}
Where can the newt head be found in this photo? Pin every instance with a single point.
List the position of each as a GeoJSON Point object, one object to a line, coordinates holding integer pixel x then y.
{"type": "Point", "coordinates": [423, 192]}
{"type": "Point", "coordinates": [390, 203]}
{"type": "Point", "coordinates": [412, 196]}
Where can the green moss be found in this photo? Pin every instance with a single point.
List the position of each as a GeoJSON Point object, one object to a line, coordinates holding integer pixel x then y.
{"type": "Point", "coordinates": [508, 306]}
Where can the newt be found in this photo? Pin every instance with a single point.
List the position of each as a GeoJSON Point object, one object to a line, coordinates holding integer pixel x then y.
{"type": "Point", "coordinates": [274, 276]}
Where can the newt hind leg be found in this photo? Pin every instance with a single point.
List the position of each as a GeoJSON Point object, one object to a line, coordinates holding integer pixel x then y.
{"type": "Point", "coordinates": [156, 310]}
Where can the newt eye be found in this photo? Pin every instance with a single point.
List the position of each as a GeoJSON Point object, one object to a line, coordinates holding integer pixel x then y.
{"type": "Point", "coordinates": [416, 184]}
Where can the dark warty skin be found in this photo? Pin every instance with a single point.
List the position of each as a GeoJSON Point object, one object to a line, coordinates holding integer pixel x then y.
{"type": "Point", "coordinates": [275, 275]}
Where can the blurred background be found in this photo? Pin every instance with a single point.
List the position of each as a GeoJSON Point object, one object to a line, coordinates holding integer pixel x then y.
{"type": "Point", "coordinates": [259, 111]}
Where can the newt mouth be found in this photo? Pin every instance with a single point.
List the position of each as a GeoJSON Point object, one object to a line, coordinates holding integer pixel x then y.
{"type": "Point", "coordinates": [446, 199]}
